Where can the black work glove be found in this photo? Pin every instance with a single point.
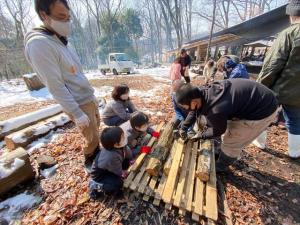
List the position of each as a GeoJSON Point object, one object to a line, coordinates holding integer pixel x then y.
{"type": "Point", "coordinates": [183, 134]}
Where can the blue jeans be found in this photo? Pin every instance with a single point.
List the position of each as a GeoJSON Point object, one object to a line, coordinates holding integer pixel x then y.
{"type": "Point", "coordinates": [292, 119]}
{"type": "Point", "coordinates": [113, 121]}
{"type": "Point", "coordinates": [180, 113]}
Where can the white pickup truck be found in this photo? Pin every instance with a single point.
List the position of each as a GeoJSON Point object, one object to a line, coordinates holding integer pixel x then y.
{"type": "Point", "coordinates": [117, 63]}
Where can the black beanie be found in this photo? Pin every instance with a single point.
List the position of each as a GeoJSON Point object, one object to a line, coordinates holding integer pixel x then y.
{"type": "Point", "coordinates": [186, 93]}
{"type": "Point", "coordinates": [293, 8]}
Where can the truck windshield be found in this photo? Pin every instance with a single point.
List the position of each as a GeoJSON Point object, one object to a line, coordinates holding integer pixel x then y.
{"type": "Point", "coordinates": [122, 57]}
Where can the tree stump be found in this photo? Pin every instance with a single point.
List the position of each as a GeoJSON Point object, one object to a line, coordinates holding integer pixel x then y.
{"type": "Point", "coordinates": [18, 175]}
{"type": "Point", "coordinates": [32, 82]}
{"type": "Point", "coordinates": [160, 152]}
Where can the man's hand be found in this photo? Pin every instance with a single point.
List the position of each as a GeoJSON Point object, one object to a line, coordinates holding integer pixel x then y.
{"type": "Point", "coordinates": [82, 122]}
{"type": "Point", "coordinates": [183, 134]}
{"type": "Point", "coordinates": [197, 137]}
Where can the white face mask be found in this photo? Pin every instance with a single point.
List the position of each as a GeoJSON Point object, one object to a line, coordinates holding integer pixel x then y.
{"type": "Point", "coordinates": [124, 97]}
{"type": "Point", "coordinates": [62, 28]}
{"type": "Point", "coordinates": [143, 128]}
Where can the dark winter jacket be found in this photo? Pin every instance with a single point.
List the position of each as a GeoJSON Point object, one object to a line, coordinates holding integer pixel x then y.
{"type": "Point", "coordinates": [111, 161]}
{"type": "Point", "coordinates": [281, 68]}
{"type": "Point", "coordinates": [122, 109]}
{"type": "Point", "coordinates": [239, 71]}
{"type": "Point", "coordinates": [232, 99]}
{"type": "Point", "coordinates": [185, 62]}
{"type": "Point", "coordinates": [133, 134]}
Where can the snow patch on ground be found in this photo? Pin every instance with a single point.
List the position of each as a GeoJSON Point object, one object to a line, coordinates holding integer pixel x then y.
{"type": "Point", "coordinates": [94, 74]}
{"type": "Point", "coordinates": [159, 73]}
{"type": "Point", "coordinates": [14, 91]}
{"type": "Point", "coordinates": [52, 136]}
{"type": "Point", "coordinates": [11, 209]}
{"type": "Point", "coordinates": [7, 171]}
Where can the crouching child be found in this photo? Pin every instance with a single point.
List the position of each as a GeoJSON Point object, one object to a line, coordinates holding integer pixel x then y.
{"type": "Point", "coordinates": [111, 163]}
{"type": "Point", "coordinates": [135, 130]}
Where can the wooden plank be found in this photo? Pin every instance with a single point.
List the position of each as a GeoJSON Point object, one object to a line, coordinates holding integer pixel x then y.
{"type": "Point", "coordinates": [150, 189]}
{"type": "Point", "coordinates": [24, 137]}
{"type": "Point", "coordinates": [170, 184]}
{"type": "Point", "coordinates": [140, 159]}
{"type": "Point", "coordinates": [22, 173]}
{"type": "Point", "coordinates": [169, 160]}
{"type": "Point", "coordinates": [183, 173]}
{"type": "Point", "coordinates": [159, 190]}
{"type": "Point", "coordinates": [129, 179]}
{"type": "Point", "coordinates": [137, 179]}
{"type": "Point", "coordinates": [14, 124]}
{"type": "Point", "coordinates": [144, 183]}
{"type": "Point", "coordinates": [211, 209]}
{"type": "Point", "coordinates": [199, 192]}
{"type": "Point", "coordinates": [191, 177]}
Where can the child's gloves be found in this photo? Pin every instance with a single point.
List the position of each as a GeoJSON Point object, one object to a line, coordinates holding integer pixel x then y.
{"type": "Point", "coordinates": [155, 134]}
{"type": "Point", "coordinates": [145, 149]}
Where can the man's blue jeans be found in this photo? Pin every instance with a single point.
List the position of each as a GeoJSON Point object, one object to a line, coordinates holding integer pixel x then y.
{"type": "Point", "coordinates": [292, 119]}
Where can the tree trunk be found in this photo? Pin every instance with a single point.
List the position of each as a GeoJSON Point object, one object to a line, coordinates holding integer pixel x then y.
{"type": "Point", "coordinates": [16, 174]}
{"type": "Point", "coordinates": [160, 152]}
{"type": "Point", "coordinates": [211, 31]}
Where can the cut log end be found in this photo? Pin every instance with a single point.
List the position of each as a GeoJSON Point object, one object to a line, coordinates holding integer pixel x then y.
{"type": "Point", "coordinates": [154, 166]}
{"type": "Point", "coordinates": [203, 176]}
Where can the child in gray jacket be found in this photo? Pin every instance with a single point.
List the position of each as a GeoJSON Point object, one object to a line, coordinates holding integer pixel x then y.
{"type": "Point", "coordinates": [135, 129]}
{"type": "Point", "coordinates": [120, 108]}
{"type": "Point", "coordinates": [111, 163]}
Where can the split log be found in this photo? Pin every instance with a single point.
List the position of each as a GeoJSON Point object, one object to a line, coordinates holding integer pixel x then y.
{"type": "Point", "coordinates": [140, 159]}
{"type": "Point", "coordinates": [160, 152]}
{"type": "Point", "coordinates": [204, 161]}
{"type": "Point", "coordinates": [24, 137]}
{"type": "Point", "coordinates": [32, 82]}
{"type": "Point", "coordinates": [12, 125]}
{"type": "Point", "coordinates": [15, 169]}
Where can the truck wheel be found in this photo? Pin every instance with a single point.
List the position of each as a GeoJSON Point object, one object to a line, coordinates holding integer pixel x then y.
{"type": "Point", "coordinates": [115, 72]}
{"type": "Point", "coordinates": [103, 72]}
{"type": "Point", "coordinates": [128, 72]}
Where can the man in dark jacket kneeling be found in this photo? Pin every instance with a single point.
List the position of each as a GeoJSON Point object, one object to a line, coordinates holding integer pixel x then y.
{"type": "Point", "coordinates": [238, 109]}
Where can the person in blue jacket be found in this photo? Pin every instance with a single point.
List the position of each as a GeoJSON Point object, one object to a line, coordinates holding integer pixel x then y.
{"type": "Point", "coordinates": [234, 70]}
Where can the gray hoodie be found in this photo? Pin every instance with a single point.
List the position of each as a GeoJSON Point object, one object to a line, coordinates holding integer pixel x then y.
{"type": "Point", "coordinates": [122, 109]}
{"type": "Point", "coordinates": [59, 68]}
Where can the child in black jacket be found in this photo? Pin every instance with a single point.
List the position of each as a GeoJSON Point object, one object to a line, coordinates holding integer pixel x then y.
{"type": "Point", "coordinates": [108, 168]}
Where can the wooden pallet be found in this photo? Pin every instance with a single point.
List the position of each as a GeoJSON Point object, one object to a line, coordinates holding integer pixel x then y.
{"type": "Point", "coordinates": [180, 188]}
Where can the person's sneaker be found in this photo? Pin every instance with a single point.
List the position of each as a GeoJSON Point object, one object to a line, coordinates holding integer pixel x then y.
{"type": "Point", "coordinates": [96, 190]}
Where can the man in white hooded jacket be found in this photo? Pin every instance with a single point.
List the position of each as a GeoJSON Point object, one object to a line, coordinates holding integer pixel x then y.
{"type": "Point", "coordinates": [59, 68]}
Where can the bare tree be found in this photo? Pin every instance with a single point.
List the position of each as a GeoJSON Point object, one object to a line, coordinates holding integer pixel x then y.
{"type": "Point", "coordinates": [19, 11]}
{"type": "Point", "coordinates": [211, 30]}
